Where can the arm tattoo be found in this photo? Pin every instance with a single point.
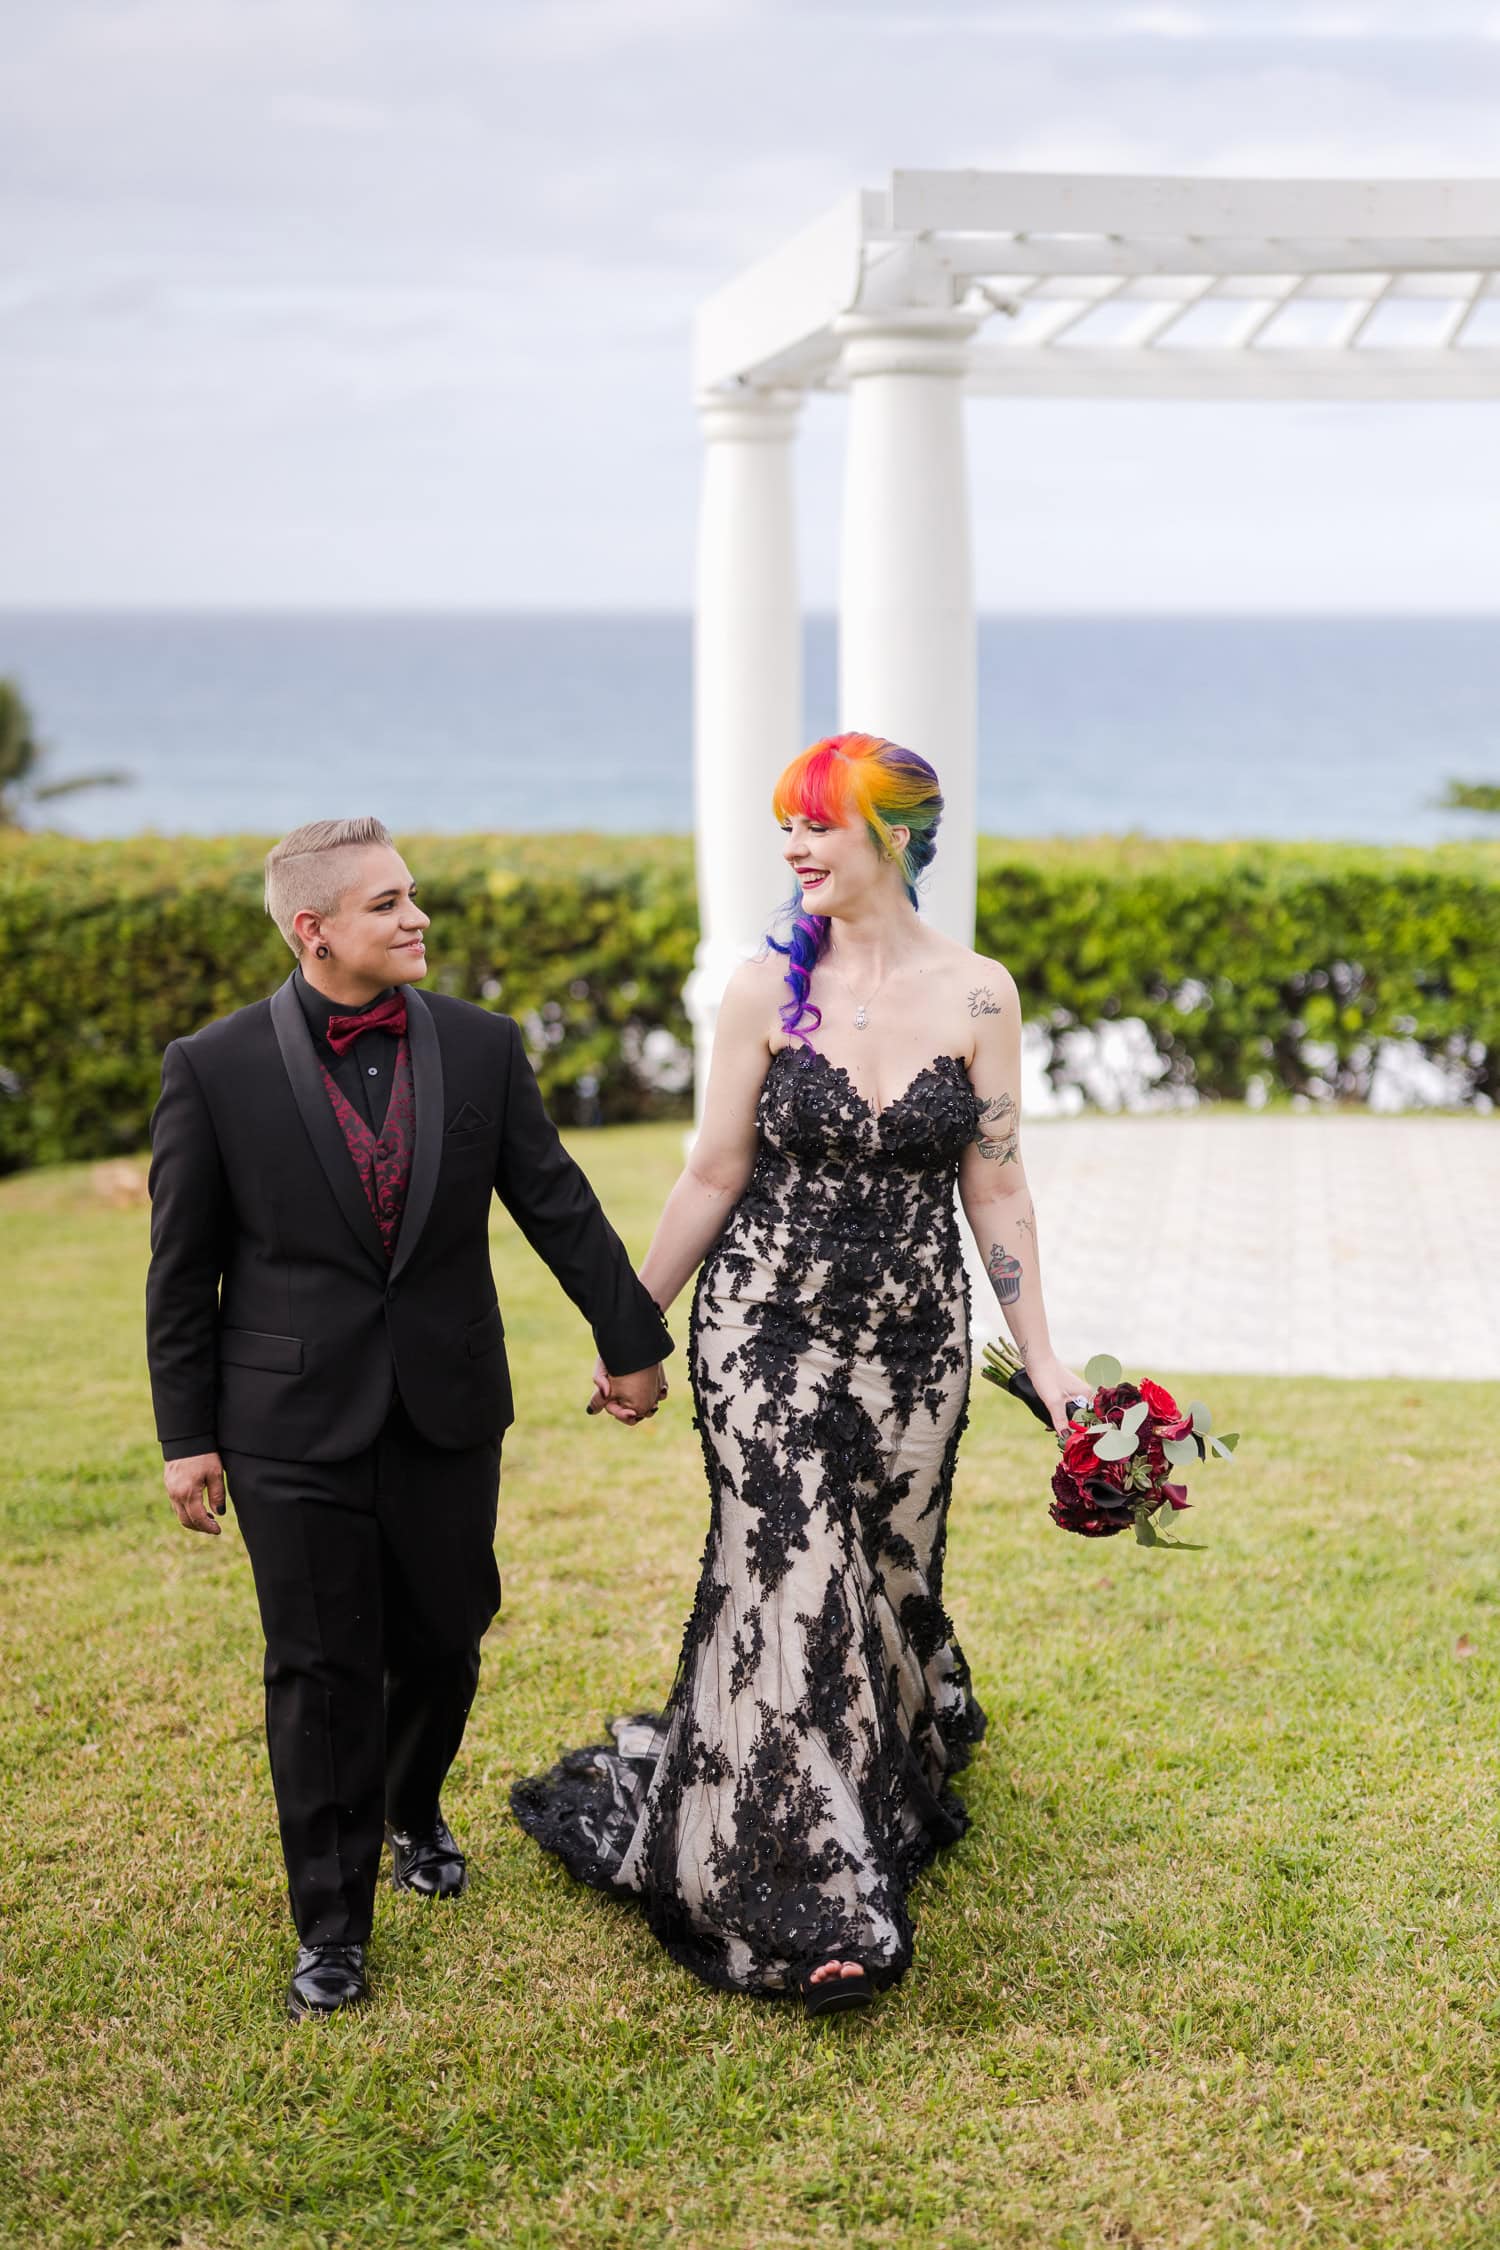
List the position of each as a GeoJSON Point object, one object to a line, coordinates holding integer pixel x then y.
{"type": "Point", "coordinates": [997, 1134]}
{"type": "Point", "coordinates": [1027, 1226]}
{"type": "Point", "coordinates": [1005, 1272]}
{"type": "Point", "coordinates": [982, 1002]}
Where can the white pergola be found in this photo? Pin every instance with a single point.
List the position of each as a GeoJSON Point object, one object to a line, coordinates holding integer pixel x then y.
{"type": "Point", "coordinates": [1014, 285]}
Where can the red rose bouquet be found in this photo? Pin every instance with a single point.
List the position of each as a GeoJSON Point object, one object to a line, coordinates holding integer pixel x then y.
{"type": "Point", "coordinates": [1119, 1450]}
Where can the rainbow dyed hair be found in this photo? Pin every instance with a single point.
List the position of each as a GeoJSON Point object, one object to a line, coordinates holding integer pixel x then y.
{"type": "Point", "coordinates": [840, 780]}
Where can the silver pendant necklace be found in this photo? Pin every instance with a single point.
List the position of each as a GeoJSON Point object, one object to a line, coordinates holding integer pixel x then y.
{"type": "Point", "coordinates": [861, 1007]}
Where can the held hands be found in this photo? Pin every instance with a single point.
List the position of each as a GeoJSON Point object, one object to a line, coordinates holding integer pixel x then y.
{"type": "Point", "coordinates": [627, 1398]}
{"type": "Point", "coordinates": [1056, 1386]}
{"type": "Point", "coordinates": [188, 1482]}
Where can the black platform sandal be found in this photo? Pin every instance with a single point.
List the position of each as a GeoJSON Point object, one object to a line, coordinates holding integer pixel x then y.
{"type": "Point", "coordinates": [828, 1996]}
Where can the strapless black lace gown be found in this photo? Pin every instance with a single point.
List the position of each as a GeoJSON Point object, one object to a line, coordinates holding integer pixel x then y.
{"type": "Point", "coordinates": [776, 1814]}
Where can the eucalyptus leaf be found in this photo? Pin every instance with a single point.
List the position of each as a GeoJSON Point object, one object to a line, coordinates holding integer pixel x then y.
{"type": "Point", "coordinates": [1219, 1446]}
{"type": "Point", "coordinates": [1146, 1532]}
{"type": "Point", "coordinates": [1202, 1420]}
{"type": "Point", "coordinates": [1114, 1445]}
{"type": "Point", "coordinates": [1134, 1416]}
{"type": "Point", "coordinates": [1103, 1371]}
{"type": "Point", "coordinates": [1180, 1451]}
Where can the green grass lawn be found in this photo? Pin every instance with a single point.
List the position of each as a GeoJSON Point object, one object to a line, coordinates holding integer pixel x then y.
{"type": "Point", "coordinates": [1217, 1963]}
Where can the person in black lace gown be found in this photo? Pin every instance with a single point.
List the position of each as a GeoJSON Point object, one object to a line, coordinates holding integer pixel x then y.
{"type": "Point", "coordinates": [772, 1820]}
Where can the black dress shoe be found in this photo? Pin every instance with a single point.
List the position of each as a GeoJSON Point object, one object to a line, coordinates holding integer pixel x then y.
{"type": "Point", "coordinates": [326, 1979]}
{"type": "Point", "coordinates": [427, 1861]}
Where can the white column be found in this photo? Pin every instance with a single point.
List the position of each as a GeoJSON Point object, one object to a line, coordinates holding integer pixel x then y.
{"type": "Point", "coordinates": [907, 654]}
{"type": "Point", "coordinates": [906, 630]}
{"type": "Point", "coordinates": [747, 685]}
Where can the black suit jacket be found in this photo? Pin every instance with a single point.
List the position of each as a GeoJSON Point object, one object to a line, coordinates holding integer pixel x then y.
{"type": "Point", "coordinates": [274, 1323]}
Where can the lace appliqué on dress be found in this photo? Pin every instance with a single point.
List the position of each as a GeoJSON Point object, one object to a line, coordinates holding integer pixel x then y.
{"type": "Point", "coordinates": [776, 1814]}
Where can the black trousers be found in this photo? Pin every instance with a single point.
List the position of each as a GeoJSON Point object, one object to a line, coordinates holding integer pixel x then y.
{"type": "Point", "coordinates": [376, 1580]}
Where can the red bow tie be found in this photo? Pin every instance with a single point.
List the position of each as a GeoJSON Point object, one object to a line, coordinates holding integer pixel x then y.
{"type": "Point", "coordinates": [389, 1016]}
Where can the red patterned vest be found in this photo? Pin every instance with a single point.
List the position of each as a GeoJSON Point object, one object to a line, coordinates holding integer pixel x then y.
{"type": "Point", "coordinates": [383, 1165]}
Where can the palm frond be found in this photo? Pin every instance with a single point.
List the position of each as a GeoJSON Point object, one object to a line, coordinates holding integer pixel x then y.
{"type": "Point", "coordinates": [112, 777]}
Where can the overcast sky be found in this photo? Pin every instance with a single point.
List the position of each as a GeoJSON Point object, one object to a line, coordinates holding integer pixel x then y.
{"type": "Point", "coordinates": [387, 302]}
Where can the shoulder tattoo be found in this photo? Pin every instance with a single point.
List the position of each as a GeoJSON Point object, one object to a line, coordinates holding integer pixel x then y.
{"type": "Point", "coordinates": [982, 1002]}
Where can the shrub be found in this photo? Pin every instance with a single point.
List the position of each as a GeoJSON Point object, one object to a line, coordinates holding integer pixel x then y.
{"type": "Point", "coordinates": [1254, 967]}
{"type": "Point", "coordinates": [1260, 968]}
{"type": "Point", "coordinates": [108, 951]}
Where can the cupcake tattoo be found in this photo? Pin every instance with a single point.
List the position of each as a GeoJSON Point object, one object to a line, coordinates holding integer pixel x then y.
{"type": "Point", "coordinates": [1005, 1272]}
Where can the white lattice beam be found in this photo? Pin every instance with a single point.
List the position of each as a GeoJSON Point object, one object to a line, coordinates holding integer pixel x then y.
{"type": "Point", "coordinates": [1132, 205]}
{"type": "Point", "coordinates": [1049, 251]}
{"type": "Point", "coordinates": [1081, 371]}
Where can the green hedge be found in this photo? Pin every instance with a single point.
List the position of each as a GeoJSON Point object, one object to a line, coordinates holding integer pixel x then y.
{"type": "Point", "coordinates": [107, 951]}
{"type": "Point", "coordinates": [1287, 964]}
{"type": "Point", "coordinates": [1282, 964]}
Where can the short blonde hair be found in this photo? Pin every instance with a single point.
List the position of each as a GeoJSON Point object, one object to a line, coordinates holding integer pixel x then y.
{"type": "Point", "coordinates": [309, 871]}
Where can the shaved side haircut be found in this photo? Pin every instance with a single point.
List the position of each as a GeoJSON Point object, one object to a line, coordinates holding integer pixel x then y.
{"type": "Point", "coordinates": [310, 870]}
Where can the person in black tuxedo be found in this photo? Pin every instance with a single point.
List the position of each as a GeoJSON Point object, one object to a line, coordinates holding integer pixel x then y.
{"type": "Point", "coordinates": [325, 1342]}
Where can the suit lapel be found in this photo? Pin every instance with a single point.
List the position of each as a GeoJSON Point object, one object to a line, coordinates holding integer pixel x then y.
{"type": "Point", "coordinates": [301, 1059]}
{"type": "Point", "coordinates": [427, 1154]}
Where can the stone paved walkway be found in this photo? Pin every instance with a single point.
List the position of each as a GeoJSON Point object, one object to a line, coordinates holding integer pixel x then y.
{"type": "Point", "coordinates": [1280, 1245]}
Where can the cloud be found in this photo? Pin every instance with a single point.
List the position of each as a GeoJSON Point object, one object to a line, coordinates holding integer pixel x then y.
{"type": "Point", "coordinates": [578, 32]}
{"type": "Point", "coordinates": [1222, 21]}
{"type": "Point", "coordinates": [341, 298]}
{"type": "Point", "coordinates": [329, 113]}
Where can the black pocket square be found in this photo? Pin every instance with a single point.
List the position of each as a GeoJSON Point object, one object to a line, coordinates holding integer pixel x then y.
{"type": "Point", "coordinates": [468, 1120]}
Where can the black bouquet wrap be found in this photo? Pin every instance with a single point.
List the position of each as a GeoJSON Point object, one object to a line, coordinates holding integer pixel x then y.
{"type": "Point", "coordinates": [1022, 1387]}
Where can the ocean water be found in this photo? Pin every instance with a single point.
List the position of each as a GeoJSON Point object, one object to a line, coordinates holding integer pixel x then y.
{"type": "Point", "coordinates": [1201, 726]}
